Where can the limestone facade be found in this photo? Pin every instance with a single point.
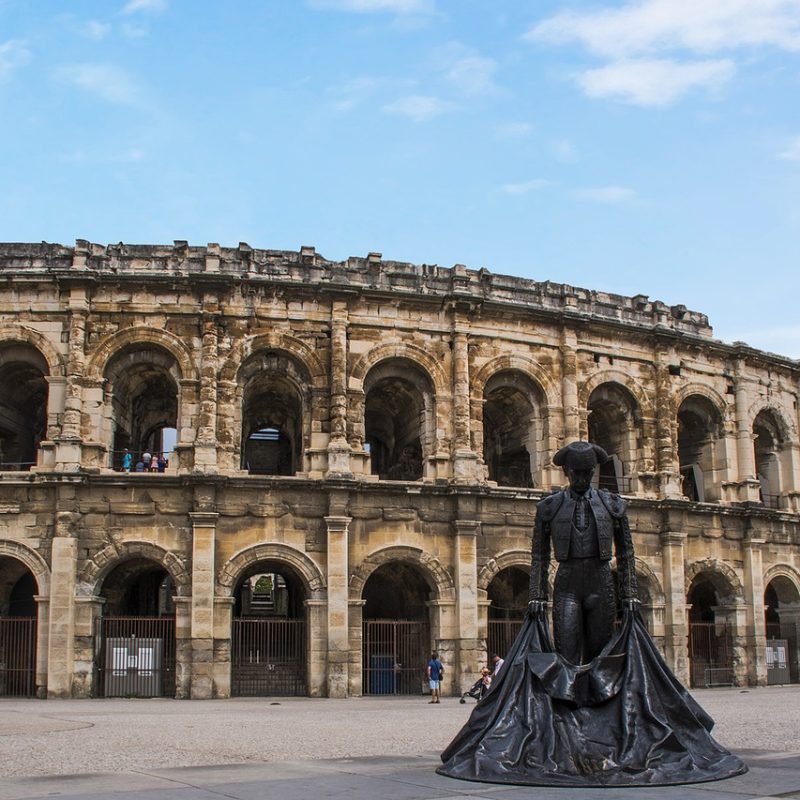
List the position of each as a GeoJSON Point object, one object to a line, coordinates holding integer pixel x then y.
{"type": "Point", "coordinates": [371, 439]}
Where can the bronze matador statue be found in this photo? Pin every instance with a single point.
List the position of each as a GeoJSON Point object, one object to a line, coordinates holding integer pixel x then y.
{"type": "Point", "coordinates": [581, 525]}
{"type": "Point", "coordinates": [600, 707]}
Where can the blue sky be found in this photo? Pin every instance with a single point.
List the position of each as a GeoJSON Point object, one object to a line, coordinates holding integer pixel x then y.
{"type": "Point", "coordinates": [647, 147]}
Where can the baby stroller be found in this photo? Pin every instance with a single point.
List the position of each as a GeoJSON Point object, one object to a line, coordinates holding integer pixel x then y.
{"type": "Point", "coordinates": [479, 688]}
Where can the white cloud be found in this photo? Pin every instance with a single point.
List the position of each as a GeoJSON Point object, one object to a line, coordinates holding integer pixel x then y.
{"type": "Point", "coordinates": [565, 151]}
{"type": "Point", "coordinates": [525, 187]}
{"type": "Point", "coordinates": [107, 81]}
{"type": "Point", "coordinates": [372, 6]}
{"type": "Point", "coordinates": [419, 108]}
{"type": "Point", "coordinates": [700, 26]}
{"type": "Point", "coordinates": [607, 195]}
{"type": "Point", "coordinates": [792, 151]}
{"type": "Point", "coordinates": [147, 6]}
{"type": "Point", "coordinates": [473, 75]}
{"type": "Point", "coordinates": [655, 82]}
{"type": "Point", "coordinates": [352, 93]}
{"type": "Point", "coordinates": [513, 130]}
{"type": "Point", "coordinates": [96, 30]}
{"type": "Point", "coordinates": [13, 55]}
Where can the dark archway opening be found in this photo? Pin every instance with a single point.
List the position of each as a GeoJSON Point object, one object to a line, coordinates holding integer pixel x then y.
{"type": "Point", "coordinates": [508, 595]}
{"type": "Point", "coordinates": [269, 637]}
{"type": "Point", "coordinates": [135, 654]}
{"type": "Point", "coordinates": [23, 406]}
{"type": "Point", "coordinates": [396, 636]}
{"type": "Point", "coordinates": [782, 618]}
{"type": "Point", "coordinates": [710, 639]}
{"type": "Point", "coordinates": [18, 623]}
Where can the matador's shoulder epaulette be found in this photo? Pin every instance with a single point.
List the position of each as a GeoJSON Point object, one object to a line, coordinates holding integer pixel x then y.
{"type": "Point", "coordinates": [613, 502]}
{"type": "Point", "coordinates": [548, 506]}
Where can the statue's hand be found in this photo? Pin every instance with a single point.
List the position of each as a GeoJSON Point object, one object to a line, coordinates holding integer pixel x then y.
{"type": "Point", "coordinates": [537, 608]}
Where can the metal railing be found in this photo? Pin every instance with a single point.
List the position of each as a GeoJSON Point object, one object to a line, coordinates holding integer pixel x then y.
{"type": "Point", "coordinates": [395, 653]}
{"type": "Point", "coordinates": [17, 656]}
{"type": "Point", "coordinates": [269, 657]}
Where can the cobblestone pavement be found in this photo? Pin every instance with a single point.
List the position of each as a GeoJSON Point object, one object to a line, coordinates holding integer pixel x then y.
{"type": "Point", "coordinates": [144, 748]}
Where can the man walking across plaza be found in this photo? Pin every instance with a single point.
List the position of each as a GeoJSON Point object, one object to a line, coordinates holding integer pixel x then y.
{"type": "Point", "coordinates": [435, 674]}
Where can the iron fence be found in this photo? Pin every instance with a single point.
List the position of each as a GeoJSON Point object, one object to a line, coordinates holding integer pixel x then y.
{"type": "Point", "coordinates": [501, 634]}
{"type": "Point", "coordinates": [710, 654]}
{"type": "Point", "coordinates": [395, 654]}
{"type": "Point", "coordinates": [269, 657]}
{"type": "Point", "coordinates": [17, 656]}
{"type": "Point", "coordinates": [135, 657]}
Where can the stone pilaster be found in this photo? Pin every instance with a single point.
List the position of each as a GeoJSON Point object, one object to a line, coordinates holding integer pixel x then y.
{"type": "Point", "coordinates": [183, 647]}
{"type": "Point", "coordinates": [338, 446]}
{"type": "Point", "coordinates": [745, 453]}
{"type": "Point", "coordinates": [61, 643]}
{"type": "Point", "coordinates": [755, 625]}
{"type": "Point", "coordinates": [223, 625]}
{"type": "Point", "coordinates": [338, 610]}
{"type": "Point", "coordinates": [569, 385]}
{"type": "Point", "coordinates": [356, 623]}
{"type": "Point", "coordinates": [68, 450]}
{"type": "Point", "coordinates": [202, 605]}
{"type": "Point", "coordinates": [666, 430]}
{"type": "Point", "coordinates": [470, 648]}
{"type": "Point", "coordinates": [465, 460]}
{"type": "Point", "coordinates": [316, 612]}
{"type": "Point", "coordinates": [675, 630]}
{"type": "Point", "coordinates": [205, 449]}
{"type": "Point", "coordinates": [42, 639]}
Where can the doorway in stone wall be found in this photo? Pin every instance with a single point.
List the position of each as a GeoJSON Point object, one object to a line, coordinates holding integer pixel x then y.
{"type": "Point", "coordinates": [508, 604]}
{"type": "Point", "coordinates": [396, 642]}
{"type": "Point", "coordinates": [269, 633]}
{"type": "Point", "coordinates": [135, 637]}
{"type": "Point", "coordinates": [18, 618]}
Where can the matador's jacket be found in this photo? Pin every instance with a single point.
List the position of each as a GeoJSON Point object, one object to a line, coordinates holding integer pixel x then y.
{"type": "Point", "coordinates": [554, 527]}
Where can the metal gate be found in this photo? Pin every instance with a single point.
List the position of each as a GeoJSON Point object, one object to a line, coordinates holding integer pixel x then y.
{"type": "Point", "coordinates": [17, 656]}
{"type": "Point", "coordinates": [394, 656]}
{"type": "Point", "coordinates": [501, 634]}
{"type": "Point", "coordinates": [710, 654]}
{"type": "Point", "coordinates": [269, 658]}
{"type": "Point", "coordinates": [135, 657]}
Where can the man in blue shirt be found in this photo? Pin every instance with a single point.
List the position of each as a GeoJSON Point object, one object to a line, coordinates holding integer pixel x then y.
{"type": "Point", "coordinates": [435, 673]}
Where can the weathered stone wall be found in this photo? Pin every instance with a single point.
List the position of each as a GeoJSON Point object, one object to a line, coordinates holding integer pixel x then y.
{"type": "Point", "coordinates": [231, 334]}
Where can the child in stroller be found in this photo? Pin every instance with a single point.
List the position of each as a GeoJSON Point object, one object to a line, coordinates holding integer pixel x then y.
{"type": "Point", "coordinates": [480, 687]}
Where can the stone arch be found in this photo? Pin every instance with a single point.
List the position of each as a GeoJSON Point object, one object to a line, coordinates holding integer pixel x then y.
{"type": "Point", "coordinates": [509, 558]}
{"type": "Point", "coordinates": [428, 363]}
{"type": "Point", "coordinates": [23, 335]}
{"type": "Point", "coordinates": [98, 567]}
{"type": "Point", "coordinates": [307, 569]}
{"type": "Point", "coordinates": [274, 340]}
{"type": "Point", "coordinates": [643, 570]}
{"type": "Point", "coordinates": [32, 560]}
{"type": "Point", "coordinates": [783, 571]}
{"type": "Point", "coordinates": [712, 395]}
{"type": "Point", "coordinates": [782, 421]}
{"type": "Point", "coordinates": [528, 366]}
{"type": "Point", "coordinates": [436, 575]}
{"type": "Point", "coordinates": [720, 574]}
{"type": "Point", "coordinates": [141, 336]}
{"type": "Point", "coordinates": [640, 397]}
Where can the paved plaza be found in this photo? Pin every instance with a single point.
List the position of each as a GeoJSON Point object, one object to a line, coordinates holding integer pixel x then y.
{"type": "Point", "coordinates": [354, 749]}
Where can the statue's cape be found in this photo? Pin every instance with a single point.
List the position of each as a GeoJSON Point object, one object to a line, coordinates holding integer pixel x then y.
{"type": "Point", "coordinates": [624, 719]}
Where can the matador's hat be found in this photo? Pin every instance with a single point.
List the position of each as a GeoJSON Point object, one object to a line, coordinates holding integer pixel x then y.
{"type": "Point", "coordinates": [580, 455]}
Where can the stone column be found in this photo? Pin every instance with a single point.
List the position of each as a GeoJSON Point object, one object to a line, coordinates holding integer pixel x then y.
{"type": "Point", "coordinates": [68, 451]}
{"type": "Point", "coordinates": [88, 616]}
{"type": "Point", "coordinates": [356, 622]}
{"type": "Point", "coordinates": [675, 630]}
{"type": "Point", "coordinates": [338, 610]}
{"type": "Point", "coordinates": [465, 460]}
{"type": "Point", "coordinates": [204, 528]}
{"type": "Point", "coordinates": [42, 636]}
{"type": "Point", "coordinates": [745, 453]}
{"type": "Point", "coordinates": [61, 644]}
{"type": "Point", "coordinates": [755, 625]}
{"type": "Point", "coordinates": [183, 647]}
{"type": "Point", "coordinates": [469, 650]}
{"type": "Point", "coordinates": [205, 448]}
{"type": "Point", "coordinates": [316, 612]}
{"type": "Point", "coordinates": [569, 385]}
{"type": "Point", "coordinates": [223, 625]}
{"type": "Point", "coordinates": [338, 446]}
{"type": "Point", "coordinates": [666, 424]}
